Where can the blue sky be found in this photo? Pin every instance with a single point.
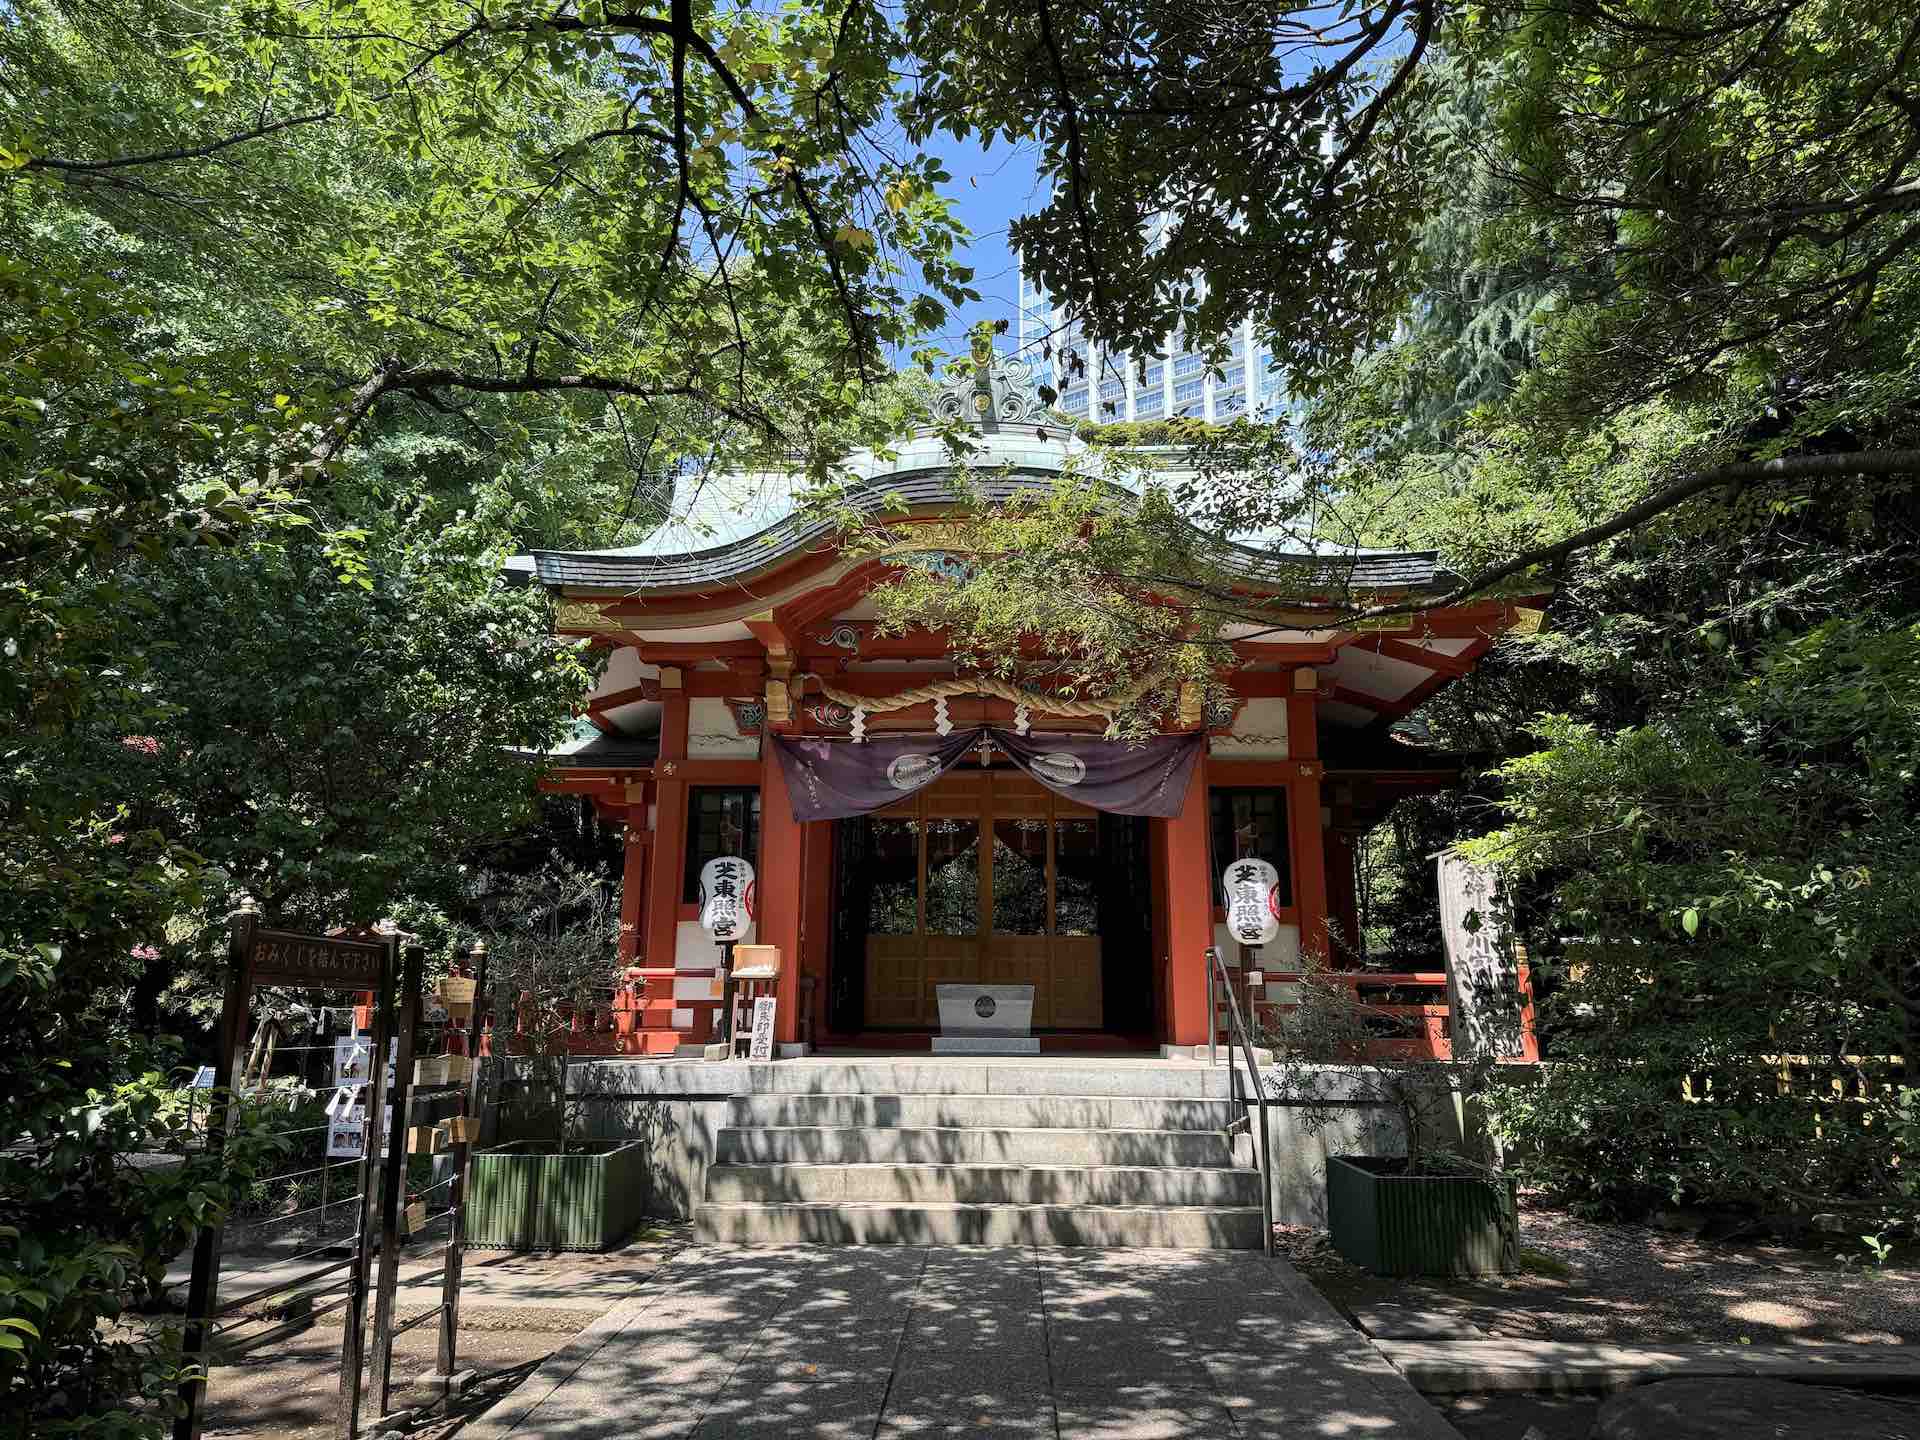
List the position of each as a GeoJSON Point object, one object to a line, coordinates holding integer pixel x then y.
{"type": "Point", "coordinates": [990, 188]}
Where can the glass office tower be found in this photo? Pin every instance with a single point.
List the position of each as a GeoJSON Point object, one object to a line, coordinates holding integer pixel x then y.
{"type": "Point", "coordinates": [1172, 383]}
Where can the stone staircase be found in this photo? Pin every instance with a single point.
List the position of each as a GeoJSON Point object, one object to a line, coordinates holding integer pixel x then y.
{"type": "Point", "coordinates": [955, 1159]}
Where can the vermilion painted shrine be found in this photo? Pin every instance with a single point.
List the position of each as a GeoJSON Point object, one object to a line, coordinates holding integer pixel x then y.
{"type": "Point", "coordinates": [742, 627]}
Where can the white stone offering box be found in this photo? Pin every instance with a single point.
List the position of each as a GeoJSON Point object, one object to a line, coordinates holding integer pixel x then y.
{"type": "Point", "coordinates": [985, 1020]}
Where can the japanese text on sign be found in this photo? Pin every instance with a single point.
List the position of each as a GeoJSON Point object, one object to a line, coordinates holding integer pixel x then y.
{"type": "Point", "coordinates": [726, 898]}
{"type": "Point", "coordinates": [1251, 890]}
{"type": "Point", "coordinates": [278, 958]}
{"type": "Point", "coordinates": [761, 1045]}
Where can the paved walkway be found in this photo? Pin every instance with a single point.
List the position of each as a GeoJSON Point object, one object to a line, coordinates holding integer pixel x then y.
{"type": "Point", "coordinates": [879, 1342]}
{"type": "Point", "coordinates": [489, 1279]}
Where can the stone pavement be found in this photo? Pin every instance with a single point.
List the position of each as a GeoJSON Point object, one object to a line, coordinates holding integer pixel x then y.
{"type": "Point", "coordinates": [883, 1342]}
{"type": "Point", "coordinates": [490, 1279]}
{"type": "Point", "coordinates": [502, 1279]}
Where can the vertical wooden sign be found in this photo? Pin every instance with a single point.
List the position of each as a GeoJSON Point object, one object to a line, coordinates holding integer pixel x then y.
{"type": "Point", "coordinates": [760, 1047]}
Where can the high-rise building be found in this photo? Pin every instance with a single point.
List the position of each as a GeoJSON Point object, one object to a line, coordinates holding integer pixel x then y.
{"type": "Point", "coordinates": [1174, 382]}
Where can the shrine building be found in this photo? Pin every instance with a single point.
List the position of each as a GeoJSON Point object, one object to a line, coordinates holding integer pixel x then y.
{"type": "Point", "coordinates": [912, 826]}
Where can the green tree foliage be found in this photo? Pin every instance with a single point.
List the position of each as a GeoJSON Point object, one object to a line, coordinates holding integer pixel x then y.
{"type": "Point", "coordinates": [116, 455]}
{"type": "Point", "coordinates": [348, 761]}
{"type": "Point", "coordinates": [1480, 311]}
{"type": "Point", "coordinates": [1737, 882]}
{"type": "Point", "coordinates": [1255, 131]}
{"type": "Point", "coordinates": [1174, 433]}
{"type": "Point", "coordinates": [1065, 589]}
{"type": "Point", "coordinates": [1729, 184]}
{"type": "Point", "coordinates": [536, 202]}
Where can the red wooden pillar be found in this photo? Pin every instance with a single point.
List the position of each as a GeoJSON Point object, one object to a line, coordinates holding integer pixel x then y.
{"type": "Point", "coordinates": [1343, 894]}
{"type": "Point", "coordinates": [1303, 804]}
{"type": "Point", "coordinates": [668, 860]}
{"type": "Point", "coordinates": [633, 878]}
{"type": "Point", "coordinates": [816, 921]}
{"type": "Point", "coordinates": [777, 883]}
{"type": "Point", "coordinates": [1188, 889]}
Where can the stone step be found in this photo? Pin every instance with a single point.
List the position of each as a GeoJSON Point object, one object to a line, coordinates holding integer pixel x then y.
{"type": "Point", "coordinates": [984, 1184]}
{"type": "Point", "coordinates": [1180, 1080]}
{"type": "Point", "coordinates": [656, 1040]}
{"type": "Point", "coordinates": [930, 1145]}
{"type": "Point", "coordinates": [866, 1223]}
{"type": "Point", "coordinates": [998, 1112]}
{"type": "Point", "coordinates": [1441, 1367]}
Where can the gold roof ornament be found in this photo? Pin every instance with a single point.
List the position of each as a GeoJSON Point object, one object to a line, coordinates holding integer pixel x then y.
{"type": "Point", "coordinates": [584, 615]}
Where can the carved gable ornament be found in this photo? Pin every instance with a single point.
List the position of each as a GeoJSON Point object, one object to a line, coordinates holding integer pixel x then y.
{"type": "Point", "coordinates": [584, 615]}
{"type": "Point", "coordinates": [994, 392]}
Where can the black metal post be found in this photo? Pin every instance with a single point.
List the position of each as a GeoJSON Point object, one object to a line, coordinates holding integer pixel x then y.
{"type": "Point", "coordinates": [394, 1181]}
{"type": "Point", "coordinates": [1239, 1034]}
{"type": "Point", "coordinates": [1213, 1015]}
{"type": "Point", "coordinates": [203, 1290]}
{"type": "Point", "coordinates": [354, 1326]}
{"type": "Point", "coordinates": [726, 996]}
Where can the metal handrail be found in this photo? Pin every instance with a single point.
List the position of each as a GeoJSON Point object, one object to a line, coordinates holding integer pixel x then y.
{"type": "Point", "coordinates": [1237, 1032]}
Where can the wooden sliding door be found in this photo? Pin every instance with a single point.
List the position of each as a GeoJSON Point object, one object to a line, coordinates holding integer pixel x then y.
{"type": "Point", "coordinates": [982, 878]}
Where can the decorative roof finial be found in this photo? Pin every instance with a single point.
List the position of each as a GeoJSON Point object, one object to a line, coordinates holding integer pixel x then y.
{"type": "Point", "coordinates": [991, 391]}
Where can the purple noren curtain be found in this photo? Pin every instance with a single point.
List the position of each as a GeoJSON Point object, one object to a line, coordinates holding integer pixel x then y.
{"type": "Point", "coordinates": [836, 779]}
{"type": "Point", "coordinates": [1123, 777]}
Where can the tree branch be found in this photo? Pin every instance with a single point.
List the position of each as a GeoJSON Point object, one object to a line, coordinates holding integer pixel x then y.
{"type": "Point", "coordinates": [1375, 108]}
{"type": "Point", "coordinates": [1076, 153]}
{"type": "Point", "coordinates": [1797, 467]}
{"type": "Point", "coordinates": [539, 324]}
{"type": "Point", "coordinates": [395, 379]}
{"type": "Point", "coordinates": [190, 152]}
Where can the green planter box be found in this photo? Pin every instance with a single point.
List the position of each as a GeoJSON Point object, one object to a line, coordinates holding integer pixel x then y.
{"type": "Point", "coordinates": [1394, 1224]}
{"type": "Point", "coordinates": [525, 1197]}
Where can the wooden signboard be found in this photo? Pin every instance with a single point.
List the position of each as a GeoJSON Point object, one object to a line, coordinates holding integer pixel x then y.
{"type": "Point", "coordinates": [279, 957]}
{"type": "Point", "coordinates": [760, 1046]}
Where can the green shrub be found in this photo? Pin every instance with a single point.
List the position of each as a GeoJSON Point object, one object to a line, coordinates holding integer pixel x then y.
{"type": "Point", "coordinates": [1145, 432]}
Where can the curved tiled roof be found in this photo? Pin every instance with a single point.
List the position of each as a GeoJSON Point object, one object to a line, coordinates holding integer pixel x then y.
{"type": "Point", "coordinates": [600, 752]}
{"type": "Point", "coordinates": [630, 572]}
